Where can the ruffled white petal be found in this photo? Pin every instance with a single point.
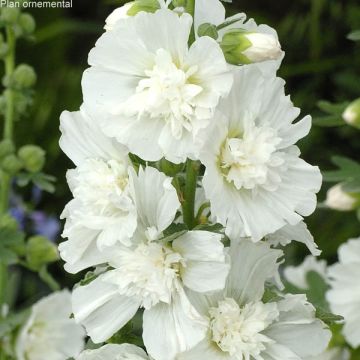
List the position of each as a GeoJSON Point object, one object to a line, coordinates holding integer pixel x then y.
{"type": "Point", "coordinates": [298, 329]}
{"type": "Point", "coordinates": [155, 198]}
{"type": "Point", "coordinates": [179, 324]}
{"type": "Point", "coordinates": [101, 309]}
{"type": "Point", "coordinates": [114, 351]}
{"type": "Point", "coordinates": [298, 232]}
{"type": "Point", "coordinates": [251, 265]}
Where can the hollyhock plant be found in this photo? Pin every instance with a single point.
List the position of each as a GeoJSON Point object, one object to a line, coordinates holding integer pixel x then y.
{"type": "Point", "coordinates": [254, 177]}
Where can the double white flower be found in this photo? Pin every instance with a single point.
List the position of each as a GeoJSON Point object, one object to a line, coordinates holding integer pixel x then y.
{"type": "Point", "coordinates": [157, 93]}
{"type": "Point", "coordinates": [254, 178]}
{"type": "Point", "coordinates": [242, 327]}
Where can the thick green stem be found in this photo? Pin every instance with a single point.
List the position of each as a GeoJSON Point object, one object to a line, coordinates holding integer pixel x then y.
{"type": "Point", "coordinates": [9, 115]}
{"type": "Point", "coordinates": [192, 169]}
{"type": "Point", "coordinates": [190, 9]}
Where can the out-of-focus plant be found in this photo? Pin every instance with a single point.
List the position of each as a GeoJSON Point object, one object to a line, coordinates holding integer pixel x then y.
{"type": "Point", "coordinates": [19, 167]}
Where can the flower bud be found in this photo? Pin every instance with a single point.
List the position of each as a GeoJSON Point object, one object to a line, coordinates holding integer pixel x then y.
{"type": "Point", "coordinates": [24, 77]}
{"type": "Point", "coordinates": [242, 47]}
{"type": "Point", "coordinates": [6, 148]}
{"type": "Point", "coordinates": [40, 251]}
{"type": "Point", "coordinates": [338, 199]}
{"type": "Point", "coordinates": [351, 114]}
{"type": "Point", "coordinates": [143, 5]}
{"type": "Point", "coordinates": [27, 23]}
{"type": "Point", "coordinates": [9, 15]}
{"type": "Point", "coordinates": [33, 157]}
{"type": "Point", "coordinates": [11, 164]}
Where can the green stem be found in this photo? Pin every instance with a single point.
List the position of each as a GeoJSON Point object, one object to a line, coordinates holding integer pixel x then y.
{"type": "Point", "coordinates": [3, 285]}
{"type": "Point", "coordinates": [9, 115]}
{"type": "Point", "coordinates": [8, 134]}
{"type": "Point", "coordinates": [190, 9]}
{"type": "Point", "coordinates": [9, 69]}
{"type": "Point", "coordinates": [192, 169]}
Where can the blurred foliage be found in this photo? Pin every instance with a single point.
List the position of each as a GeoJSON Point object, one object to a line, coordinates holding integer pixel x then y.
{"type": "Point", "coordinates": [321, 63]}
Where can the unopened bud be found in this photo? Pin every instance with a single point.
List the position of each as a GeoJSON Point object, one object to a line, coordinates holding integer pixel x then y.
{"type": "Point", "coordinates": [40, 251]}
{"type": "Point", "coordinates": [9, 15]}
{"type": "Point", "coordinates": [351, 114]}
{"type": "Point", "coordinates": [6, 148]}
{"type": "Point", "coordinates": [242, 47]}
{"type": "Point", "coordinates": [143, 5]}
{"type": "Point", "coordinates": [11, 164]}
{"type": "Point", "coordinates": [27, 23]}
{"type": "Point", "coordinates": [338, 199]}
{"type": "Point", "coordinates": [33, 157]}
{"type": "Point", "coordinates": [24, 77]}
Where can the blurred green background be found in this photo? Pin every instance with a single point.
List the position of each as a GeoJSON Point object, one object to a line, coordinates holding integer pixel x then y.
{"type": "Point", "coordinates": [320, 63]}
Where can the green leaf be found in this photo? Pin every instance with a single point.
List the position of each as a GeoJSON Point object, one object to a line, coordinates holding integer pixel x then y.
{"type": "Point", "coordinates": [8, 257]}
{"type": "Point", "coordinates": [44, 182]}
{"type": "Point", "coordinates": [329, 121]}
{"type": "Point", "coordinates": [352, 186]}
{"type": "Point", "coordinates": [208, 30]}
{"type": "Point", "coordinates": [216, 228]}
{"type": "Point", "coordinates": [327, 317]}
{"type": "Point", "coordinates": [317, 290]}
{"type": "Point", "coordinates": [354, 35]}
{"type": "Point", "coordinates": [348, 170]}
{"type": "Point", "coordinates": [88, 278]}
{"type": "Point", "coordinates": [333, 109]}
{"type": "Point", "coordinates": [271, 295]}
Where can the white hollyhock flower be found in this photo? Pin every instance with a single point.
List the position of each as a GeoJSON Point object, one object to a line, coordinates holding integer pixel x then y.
{"type": "Point", "coordinates": [102, 211]}
{"type": "Point", "coordinates": [296, 275]}
{"type": "Point", "coordinates": [254, 178]}
{"type": "Point", "coordinates": [159, 93]}
{"type": "Point", "coordinates": [242, 327]}
{"type": "Point", "coordinates": [114, 351]}
{"type": "Point", "coordinates": [50, 333]}
{"type": "Point", "coordinates": [289, 233]}
{"type": "Point", "coordinates": [151, 274]}
{"type": "Point", "coordinates": [213, 12]}
{"type": "Point", "coordinates": [332, 354]}
{"type": "Point", "coordinates": [344, 295]}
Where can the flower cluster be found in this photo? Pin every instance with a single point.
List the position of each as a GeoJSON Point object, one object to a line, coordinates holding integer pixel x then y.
{"type": "Point", "coordinates": [187, 184]}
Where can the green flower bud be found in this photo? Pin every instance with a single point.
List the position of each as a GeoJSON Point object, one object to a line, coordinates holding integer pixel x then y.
{"type": "Point", "coordinates": [143, 5]}
{"type": "Point", "coordinates": [24, 77]}
{"type": "Point", "coordinates": [33, 157]}
{"type": "Point", "coordinates": [7, 221]}
{"type": "Point", "coordinates": [6, 148]}
{"type": "Point", "coordinates": [27, 23]}
{"type": "Point", "coordinates": [351, 114]}
{"type": "Point", "coordinates": [242, 47]}
{"type": "Point", "coordinates": [9, 15]}
{"type": "Point", "coordinates": [208, 30]}
{"type": "Point", "coordinates": [40, 251]}
{"type": "Point", "coordinates": [11, 164]}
